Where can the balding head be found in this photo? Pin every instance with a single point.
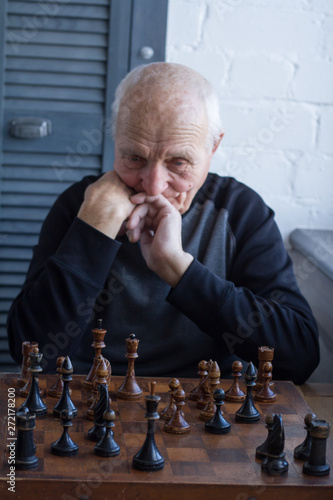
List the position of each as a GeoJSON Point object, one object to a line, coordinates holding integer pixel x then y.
{"type": "Point", "coordinates": [167, 88]}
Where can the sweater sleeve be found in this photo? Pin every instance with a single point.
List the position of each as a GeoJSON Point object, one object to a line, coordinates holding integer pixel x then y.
{"type": "Point", "coordinates": [69, 268]}
{"type": "Point", "coordinates": [259, 303]}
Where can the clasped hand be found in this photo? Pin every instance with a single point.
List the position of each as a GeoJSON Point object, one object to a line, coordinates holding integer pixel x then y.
{"type": "Point", "coordinates": [157, 224]}
{"type": "Point", "coordinates": [108, 204]}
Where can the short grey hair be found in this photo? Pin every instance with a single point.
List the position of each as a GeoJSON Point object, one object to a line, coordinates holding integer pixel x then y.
{"type": "Point", "coordinates": [177, 76]}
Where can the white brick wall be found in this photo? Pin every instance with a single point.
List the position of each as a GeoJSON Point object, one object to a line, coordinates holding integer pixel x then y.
{"type": "Point", "coordinates": [271, 63]}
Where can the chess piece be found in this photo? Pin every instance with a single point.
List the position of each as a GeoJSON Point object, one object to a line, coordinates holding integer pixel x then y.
{"type": "Point", "coordinates": [261, 451]}
{"type": "Point", "coordinates": [98, 344]}
{"type": "Point", "coordinates": [129, 389]}
{"type": "Point", "coordinates": [178, 424]}
{"type": "Point", "coordinates": [25, 457]}
{"type": "Point", "coordinates": [214, 379]}
{"type": "Point", "coordinates": [248, 413]}
{"type": "Point", "coordinates": [103, 405]}
{"type": "Point", "coordinates": [148, 457]}
{"type": "Point", "coordinates": [107, 447]}
{"type": "Point", "coordinates": [302, 451]}
{"type": "Point", "coordinates": [218, 424]}
{"type": "Point", "coordinates": [65, 446]}
{"type": "Point", "coordinates": [266, 393]}
{"type": "Point", "coordinates": [100, 379]}
{"type": "Point", "coordinates": [317, 465]}
{"type": "Point", "coordinates": [25, 411]}
{"type": "Point", "coordinates": [274, 463]}
{"type": "Point", "coordinates": [265, 354]}
{"type": "Point", "coordinates": [168, 412]}
{"type": "Point", "coordinates": [204, 388]}
{"type": "Point", "coordinates": [235, 393]}
{"type": "Point", "coordinates": [27, 348]}
{"type": "Point", "coordinates": [195, 394]}
{"type": "Point", "coordinates": [56, 389]}
{"type": "Point", "coordinates": [25, 389]}
{"type": "Point", "coordinates": [34, 402]}
{"type": "Point", "coordinates": [65, 402]}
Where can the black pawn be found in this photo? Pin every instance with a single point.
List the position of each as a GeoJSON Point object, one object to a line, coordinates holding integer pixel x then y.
{"type": "Point", "coordinates": [65, 402]}
{"type": "Point", "coordinates": [34, 402]}
{"type": "Point", "coordinates": [218, 424]}
{"type": "Point", "coordinates": [261, 451]}
{"type": "Point", "coordinates": [302, 451]}
{"type": "Point", "coordinates": [107, 447]}
{"type": "Point", "coordinates": [103, 404]}
{"type": "Point", "coordinates": [148, 457]}
{"type": "Point", "coordinates": [64, 446]}
{"type": "Point", "coordinates": [248, 413]}
{"type": "Point", "coordinates": [25, 457]}
{"type": "Point", "coordinates": [317, 466]}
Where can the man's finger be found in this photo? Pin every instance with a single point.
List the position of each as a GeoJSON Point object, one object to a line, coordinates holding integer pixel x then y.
{"type": "Point", "coordinates": [137, 215]}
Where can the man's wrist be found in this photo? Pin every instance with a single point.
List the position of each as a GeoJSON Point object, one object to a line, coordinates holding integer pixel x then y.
{"type": "Point", "coordinates": [178, 268]}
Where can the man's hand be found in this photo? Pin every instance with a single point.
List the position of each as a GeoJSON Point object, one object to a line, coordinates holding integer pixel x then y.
{"type": "Point", "coordinates": [157, 224]}
{"type": "Point", "coordinates": [107, 204]}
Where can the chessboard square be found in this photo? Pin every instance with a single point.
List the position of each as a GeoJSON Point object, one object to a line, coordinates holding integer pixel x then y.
{"type": "Point", "coordinates": [46, 424]}
{"type": "Point", "coordinates": [294, 432]}
{"type": "Point", "coordinates": [293, 420]}
{"type": "Point", "coordinates": [251, 442]}
{"type": "Point", "coordinates": [62, 467]}
{"type": "Point", "coordinates": [212, 441]}
{"type": "Point", "coordinates": [182, 440]}
{"type": "Point", "coordinates": [284, 409]}
{"type": "Point", "coordinates": [193, 469]}
{"type": "Point", "coordinates": [231, 472]}
{"type": "Point", "coordinates": [228, 455]}
{"type": "Point", "coordinates": [188, 455]}
{"type": "Point", "coordinates": [117, 465]}
{"type": "Point", "coordinates": [249, 430]}
{"type": "Point", "coordinates": [133, 440]}
{"type": "Point", "coordinates": [135, 427]}
{"type": "Point", "coordinates": [130, 412]}
{"type": "Point", "coordinates": [38, 436]}
{"type": "Point", "coordinates": [39, 450]}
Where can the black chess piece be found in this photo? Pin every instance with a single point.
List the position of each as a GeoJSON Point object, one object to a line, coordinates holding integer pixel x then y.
{"type": "Point", "coordinates": [65, 402]}
{"type": "Point", "coordinates": [65, 446]}
{"type": "Point", "coordinates": [107, 447]}
{"type": "Point", "coordinates": [103, 405]}
{"type": "Point", "coordinates": [25, 457]}
{"type": "Point", "coordinates": [317, 465]}
{"type": "Point", "coordinates": [248, 413]}
{"type": "Point", "coordinates": [148, 457]}
{"type": "Point", "coordinates": [34, 402]}
{"type": "Point", "coordinates": [261, 451]}
{"type": "Point", "coordinates": [302, 451]}
{"type": "Point", "coordinates": [274, 463]}
{"type": "Point", "coordinates": [218, 424]}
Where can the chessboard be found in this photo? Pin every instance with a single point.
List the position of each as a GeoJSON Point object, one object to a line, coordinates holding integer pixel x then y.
{"type": "Point", "coordinates": [197, 464]}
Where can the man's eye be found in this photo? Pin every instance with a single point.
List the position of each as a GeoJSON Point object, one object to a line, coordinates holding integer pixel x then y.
{"type": "Point", "coordinates": [134, 161]}
{"type": "Point", "coordinates": [179, 166]}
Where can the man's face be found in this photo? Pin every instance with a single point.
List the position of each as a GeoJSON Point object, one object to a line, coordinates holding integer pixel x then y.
{"type": "Point", "coordinates": [163, 151]}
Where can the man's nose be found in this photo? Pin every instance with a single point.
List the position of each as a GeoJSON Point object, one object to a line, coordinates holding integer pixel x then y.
{"type": "Point", "coordinates": [154, 179]}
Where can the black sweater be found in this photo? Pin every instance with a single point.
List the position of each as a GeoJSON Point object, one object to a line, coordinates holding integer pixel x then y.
{"type": "Point", "coordinates": [239, 293]}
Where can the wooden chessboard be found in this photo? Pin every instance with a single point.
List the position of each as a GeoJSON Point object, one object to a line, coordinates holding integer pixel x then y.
{"type": "Point", "coordinates": [197, 465]}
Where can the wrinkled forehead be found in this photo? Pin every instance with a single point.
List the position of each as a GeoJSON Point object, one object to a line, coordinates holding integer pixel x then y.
{"type": "Point", "coordinates": [153, 108]}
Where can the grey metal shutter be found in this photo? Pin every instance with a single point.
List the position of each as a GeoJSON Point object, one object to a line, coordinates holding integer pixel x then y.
{"type": "Point", "coordinates": [63, 60]}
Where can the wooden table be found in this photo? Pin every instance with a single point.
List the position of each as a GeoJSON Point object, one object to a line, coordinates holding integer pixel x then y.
{"type": "Point", "coordinates": [198, 465]}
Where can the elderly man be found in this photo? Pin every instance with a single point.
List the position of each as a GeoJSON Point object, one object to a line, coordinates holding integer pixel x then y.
{"type": "Point", "coordinates": [190, 262]}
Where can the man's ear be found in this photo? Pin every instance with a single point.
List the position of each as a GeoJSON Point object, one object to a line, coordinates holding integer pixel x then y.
{"type": "Point", "coordinates": [217, 143]}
